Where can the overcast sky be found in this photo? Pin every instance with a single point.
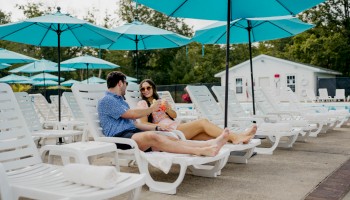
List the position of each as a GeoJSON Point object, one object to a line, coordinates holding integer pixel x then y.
{"type": "Point", "coordinates": [79, 8]}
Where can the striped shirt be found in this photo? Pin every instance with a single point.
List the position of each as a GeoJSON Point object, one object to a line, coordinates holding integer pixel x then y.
{"type": "Point", "coordinates": [110, 109]}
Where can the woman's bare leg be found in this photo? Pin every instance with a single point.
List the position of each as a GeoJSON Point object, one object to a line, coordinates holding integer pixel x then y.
{"type": "Point", "coordinates": [197, 127]}
{"type": "Point", "coordinates": [203, 129]}
{"type": "Point", "coordinates": [163, 143]}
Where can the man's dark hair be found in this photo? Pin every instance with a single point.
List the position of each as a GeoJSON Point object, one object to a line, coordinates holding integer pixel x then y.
{"type": "Point", "coordinates": [114, 77]}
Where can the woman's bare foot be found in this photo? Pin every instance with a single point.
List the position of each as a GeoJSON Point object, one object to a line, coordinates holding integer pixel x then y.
{"type": "Point", "coordinates": [221, 140]}
{"type": "Point", "coordinates": [243, 137]}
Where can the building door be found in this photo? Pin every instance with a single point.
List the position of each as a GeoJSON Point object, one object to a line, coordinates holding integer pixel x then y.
{"type": "Point", "coordinates": [264, 82]}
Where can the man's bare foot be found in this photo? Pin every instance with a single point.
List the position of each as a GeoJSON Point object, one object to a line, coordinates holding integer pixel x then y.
{"type": "Point", "coordinates": [208, 151]}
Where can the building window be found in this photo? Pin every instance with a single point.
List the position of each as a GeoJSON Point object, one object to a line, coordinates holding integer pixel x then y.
{"type": "Point", "coordinates": [291, 82]}
{"type": "Point", "coordinates": [239, 85]}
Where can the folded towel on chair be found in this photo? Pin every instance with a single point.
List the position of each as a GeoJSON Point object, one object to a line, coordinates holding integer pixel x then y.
{"type": "Point", "coordinates": [160, 160]}
{"type": "Point", "coordinates": [97, 176]}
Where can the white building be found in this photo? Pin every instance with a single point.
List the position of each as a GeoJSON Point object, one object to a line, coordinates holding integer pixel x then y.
{"type": "Point", "coordinates": [269, 71]}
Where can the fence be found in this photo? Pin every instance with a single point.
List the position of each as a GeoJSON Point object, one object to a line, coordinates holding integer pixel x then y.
{"type": "Point", "coordinates": [178, 90]}
{"type": "Point", "coordinates": [334, 83]}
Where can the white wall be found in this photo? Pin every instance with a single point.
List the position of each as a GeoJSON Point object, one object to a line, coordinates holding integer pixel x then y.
{"type": "Point", "coordinates": [264, 69]}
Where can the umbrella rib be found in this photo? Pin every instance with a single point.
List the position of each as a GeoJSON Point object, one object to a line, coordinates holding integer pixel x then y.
{"type": "Point", "coordinates": [17, 30]}
{"type": "Point", "coordinates": [87, 27]}
{"type": "Point", "coordinates": [280, 27]}
{"type": "Point", "coordinates": [285, 7]}
{"type": "Point", "coordinates": [183, 3]}
{"type": "Point", "coordinates": [222, 35]}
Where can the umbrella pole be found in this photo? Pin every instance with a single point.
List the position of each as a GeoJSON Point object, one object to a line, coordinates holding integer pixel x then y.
{"type": "Point", "coordinates": [59, 71]}
{"type": "Point", "coordinates": [227, 58]}
{"type": "Point", "coordinates": [87, 73]}
{"type": "Point", "coordinates": [44, 86]}
{"type": "Point", "coordinates": [137, 59]}
{"type": "Point", "coordinates": [251, 65]}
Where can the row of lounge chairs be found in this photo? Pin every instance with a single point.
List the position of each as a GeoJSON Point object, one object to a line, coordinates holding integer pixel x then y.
{"type": "Point", "coordinates": [81, 106]}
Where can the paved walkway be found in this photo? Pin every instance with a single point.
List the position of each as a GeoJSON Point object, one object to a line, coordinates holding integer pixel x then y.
{"type": "Point", "coordinates": [287, 174]}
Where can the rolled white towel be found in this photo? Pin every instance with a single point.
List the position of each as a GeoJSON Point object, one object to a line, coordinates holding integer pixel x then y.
{"type": "Point", "coordinates": [98, 176]}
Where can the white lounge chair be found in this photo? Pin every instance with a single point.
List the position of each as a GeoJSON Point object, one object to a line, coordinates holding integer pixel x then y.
{"type": "Point", "coordinates": [87, 98]}
{"type": "Point", "coordinates": [132, 95]}
{"type": "Point", "coordinates": [35, 127]}
{"type": "Point", "coordinates": [311, 97]}
{"type": "Point", "coordinates": [208, 108]}
{"type": "Point", "coordinates": [339, 95]}
{"type": "Point", "coordinates": [185, 112]}
{"type": "Point", "coordinates": [323, 95]}
{"type": "Point", "coordinates": [49, 118]}
{"type": "Point", "coordinates": [22, 173]}
{"type": "Point", "coordinates": [267, 102]}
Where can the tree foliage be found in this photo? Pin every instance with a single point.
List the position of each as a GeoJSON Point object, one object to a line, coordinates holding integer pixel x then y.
{"type": "Point", "coordinates": [326, 45]}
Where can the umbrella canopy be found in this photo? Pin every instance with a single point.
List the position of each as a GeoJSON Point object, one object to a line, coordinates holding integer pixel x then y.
{"type": "Point", "coordinates": [94, 80]}
{"type": "Point", "coordinates": [56, 30]}
{"type": "Point", "coordinates": [88, 62]}
{"type": "Point", "coordinates": [217, 10]}
{"type": "Point", "coordinates": [4, 65]}
{"type": "Point", "coordinates": [7, 56]}
{"type": "Point", "coordinates": [228, 10]}
{"type": "Point", "coordinates": [45, 77]}
{"type": "Point", "coordinates": [69, 83]}
{"type": "Point", "coordinates": [46, 83]}
{"type": "Point", "coordinates": [40, 66]}
{"type": "Point", "coordinates": [13, 78]}
{"type": "Point", "coordinates": [251, 30]}
{"type": "Point", "coordinates": [140, 36]}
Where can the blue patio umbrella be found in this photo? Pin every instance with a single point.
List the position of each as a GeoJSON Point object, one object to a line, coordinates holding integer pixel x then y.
{"type": "Point", "coordinates": [39, 66]}
{"type": "Point", "coordinates": [4, 65]}
{"type": "Point", "coordinates": [228, 10]}
{"type": "Point", "coordinates": [46, 83]}
{"type": "Point", "coordinates": [251, 30]}
{"type": "Point", "coordinates": [56, 30]}
{"type": "Point", "coordinates": [46, 76]}
{"type": "Point", "coordinates": [93, 80]}
{"type": "Point", "coordinates": [13, 78]}
{"type": "Point", "coordinates": [88, 62]}
{"type": "Point", "coordinates": [140, 36]}
{"type": "Point", "coordinates": [70, 82]}
{"type": "Point", "coordinates": [7, 56]}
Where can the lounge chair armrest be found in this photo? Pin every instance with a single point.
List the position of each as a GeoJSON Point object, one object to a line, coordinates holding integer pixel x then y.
{"type": "Point", "coordinates": [58, 148]}
{"type": "Point", "coordinates": [130, 142]}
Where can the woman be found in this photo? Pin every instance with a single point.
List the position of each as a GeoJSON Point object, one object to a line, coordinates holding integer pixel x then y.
{"type": "Point", "coordinates": [201, 129]}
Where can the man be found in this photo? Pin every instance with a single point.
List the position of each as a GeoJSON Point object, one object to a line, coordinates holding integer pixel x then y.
{"type": "Point", "coordinates": [118, 120]}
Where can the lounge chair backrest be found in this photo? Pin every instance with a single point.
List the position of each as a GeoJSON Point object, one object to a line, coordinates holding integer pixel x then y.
{"type": "Point", "coordinates": [72, 105]}
{"type": "Point", "coordinates": [17, 149]}
{"type": "Point", "coordinates": [204, 102]}
{"type": "Point", "coordinates": [88, 98]}
{"type": "Point", "coordinates": [340, 94]}
{"type": "Point", "coordinates": [236, 110]}
{"type": "Point", "coordinates": [167, 96]}
{"type": "Point", "coordinates": [26, 105]}
{"type": "Point", "coordinates": [43, 107]}
{"type": "Point", "coordinates": [261, 101]}
{"type": "Point", "coordinates": [132, 95]}
{"type": "Point", "coordinates": [323, 94]}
